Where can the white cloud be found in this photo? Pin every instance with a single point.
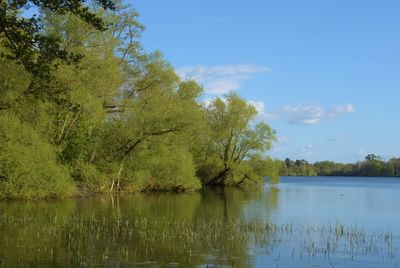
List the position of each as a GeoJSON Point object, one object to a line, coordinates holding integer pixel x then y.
{"type": "Point", "coordinates": [310, 114]}
{"type": "Point", "coordinates": [259, 105]}
{"type": "Point", "coordinates": [207, 102]}
{"type": "Point", "coordinates": [308, 150]}
{"type": "Point", "coordinates": [221, 79]}
{"type": "Point", "coordinates": [262, 113]}
{"type": "Point", "coordinates": [283, 140]}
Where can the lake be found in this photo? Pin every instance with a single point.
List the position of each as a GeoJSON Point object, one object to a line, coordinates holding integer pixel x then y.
{"type": "Point", "coordinates": [302, 222]}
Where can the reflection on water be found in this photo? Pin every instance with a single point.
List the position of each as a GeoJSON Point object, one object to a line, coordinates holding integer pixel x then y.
{"type": "Point", "coordinates": [235, 227]}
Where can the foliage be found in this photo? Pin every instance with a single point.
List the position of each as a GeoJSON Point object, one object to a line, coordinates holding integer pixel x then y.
{"type": "Point", "coordinates": [372, 166]}
{"type": "Point", "coordinates": [98, 114]}
{"type": "Point", "coordinates": [34, 48]}
{"type": "Point", "coordinates": [160, 168]}
{"type": "Point", "coordinates": [88, 178]}
{"type": "Point", "coordinates": [297, 168]}
{"type": "Point", "coordinates": [271, 169]}
{"type": "Point", "coordinates": [232, 142]}
{"type": "Point", "coordinates": [13, 82]}
{"type": "Point", "coordinates": [29, 168]}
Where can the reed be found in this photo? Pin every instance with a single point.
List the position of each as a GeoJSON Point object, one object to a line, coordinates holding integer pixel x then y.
{"type": "Point", "coordinates": [128, 241]}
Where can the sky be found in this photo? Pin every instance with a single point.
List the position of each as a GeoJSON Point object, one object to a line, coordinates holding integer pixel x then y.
{"type": "Point", "coordinates": [324, 74]}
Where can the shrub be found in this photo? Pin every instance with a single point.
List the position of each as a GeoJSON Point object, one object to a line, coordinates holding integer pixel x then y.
{"type": "Point", "coordinates": [89, 178]}
{"type": "Point", "coordinates": [163, 169]}
{"type": "Point", "coordinates": [28, 165]}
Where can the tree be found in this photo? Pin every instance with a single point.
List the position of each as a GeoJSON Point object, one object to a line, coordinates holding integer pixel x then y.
{"type": "Point", "coordinates": [101, 114]}
{"type": "Point", "coordinates": [28, 43]}
{"type": "Point", "coordinates": [166, 108]}
{"type": "Point", "coordinates": [232, 141]}
{"type": "Point", "coordinates": [371, 157]}
{"type": "Point", "coordinates": [28, 165]}
{"type": "Point", "coordinates": [266, 167]}
{"type": "Point", "coordinates": [324, 168]}
{"type": "Point", "coordinates": [288, 162]}
{"type": "Point", "coordinates": [373, 166]}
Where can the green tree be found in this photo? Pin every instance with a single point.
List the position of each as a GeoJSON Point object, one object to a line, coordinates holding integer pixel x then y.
{"type": "Point", "coordinates": [28, 165]}
{"type": "Point", "coordinates": [101, 114]}
{"type": "Point", "coordinates": [371, 157]}
{"type": "Point", "coordinates": [28, 44]}
{"type": "Point", "coordinates": [166, 108]}
{"type": "Point", "coordinates": [232, 141]}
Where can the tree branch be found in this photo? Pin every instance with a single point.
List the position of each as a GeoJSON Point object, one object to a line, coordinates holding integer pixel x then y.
{"type": "Point", "coordinates": [130, 148]}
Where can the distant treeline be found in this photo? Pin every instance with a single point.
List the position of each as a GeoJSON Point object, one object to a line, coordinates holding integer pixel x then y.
{"type": "Point", "coordinates": [372, 166]}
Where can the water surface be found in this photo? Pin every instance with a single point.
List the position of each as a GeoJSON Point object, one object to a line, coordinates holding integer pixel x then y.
{"type": "Point", "coordinates": [303, 222]}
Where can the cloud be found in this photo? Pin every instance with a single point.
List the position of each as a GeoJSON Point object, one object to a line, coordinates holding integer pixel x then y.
{"type": "Point", "coordinates": [310, 114]}
{"type": "Point", "coordinates": [262, 113]}
{"type": "Point", "coordinates": [207, 102]}
{"type": "Point", "coordinates": [259, 105]}
{"type": "Point", "coordinates": [308, 150]}
{"type": "Point", "coordinates": [282, 140]}
{"type": "Point", "coordinates": [221, 79]}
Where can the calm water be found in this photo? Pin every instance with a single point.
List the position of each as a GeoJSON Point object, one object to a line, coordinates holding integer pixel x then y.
{"type": "Point", "coordinates": [303, 222]}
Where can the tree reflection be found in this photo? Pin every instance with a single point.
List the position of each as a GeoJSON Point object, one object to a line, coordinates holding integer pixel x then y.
{"type": "Point", "coordinates": [207, 227]}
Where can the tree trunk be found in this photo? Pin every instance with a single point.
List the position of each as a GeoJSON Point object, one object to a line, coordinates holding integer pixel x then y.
{"type": "Point", "coordinates": [112, 186]}
{"type": "Point", "coordinates": [245, 176]}
{"type": "Point", "coordinates": [118, 179]}
{"type": "Point", "coordinates": [219, 179]}
{"type": "Point", "coordinates": [119, 176]}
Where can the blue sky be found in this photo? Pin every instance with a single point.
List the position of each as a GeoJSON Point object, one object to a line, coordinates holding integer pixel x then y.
{"type": "Point", "coordinates": [324, 74]}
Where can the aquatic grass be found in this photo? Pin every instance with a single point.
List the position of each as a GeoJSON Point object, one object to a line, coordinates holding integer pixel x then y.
{"type": "Point", "coordinates": [114, 241]}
